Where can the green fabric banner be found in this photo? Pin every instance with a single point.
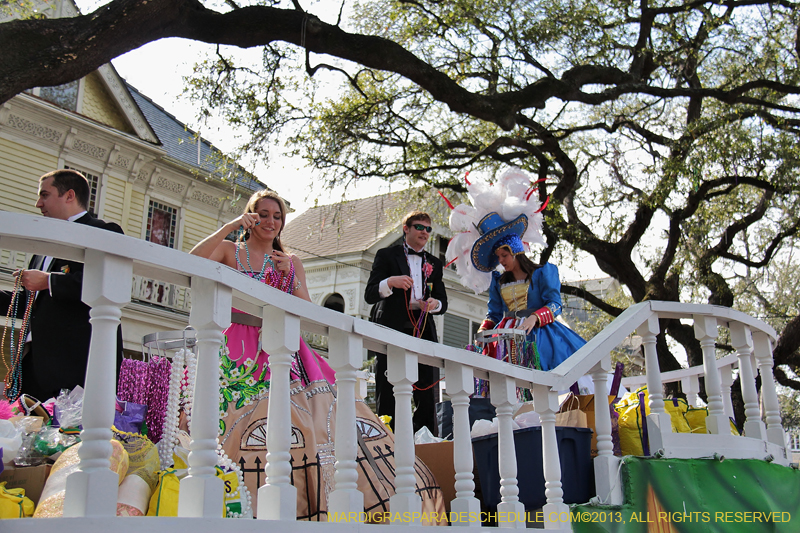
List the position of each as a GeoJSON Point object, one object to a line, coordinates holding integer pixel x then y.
{"type": "Point", "coordinates": [698, 495]}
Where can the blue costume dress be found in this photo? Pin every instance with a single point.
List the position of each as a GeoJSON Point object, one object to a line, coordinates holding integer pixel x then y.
{"type": "Point", "coordinates": [555, 341]}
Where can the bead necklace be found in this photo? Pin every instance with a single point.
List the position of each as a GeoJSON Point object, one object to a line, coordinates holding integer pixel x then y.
{"type": "Point", "coordinates": [418, 324]}
{"type": "Point", "coordinates": [158, 375]}
{"type": "Point", "coordinates": [244, 494]}
{"type": "Point", "coordinates": [272, 277]}
{"type": "Point", "coordinates": [170, 429]}
{"type": "Point", "coordinates": [267, 259]}
{"type": "Point", "coordinates": [132, 385]}
{"type": "Point", "coordinates": [188, 388]}
{"type": "Point", "coordinates": [13, 379]}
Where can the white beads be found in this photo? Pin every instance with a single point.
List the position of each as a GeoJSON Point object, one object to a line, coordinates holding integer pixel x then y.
{"type": "Point", "coordinates": [244, 494]}
{"type": "Point", "coordinates": [170, 431]}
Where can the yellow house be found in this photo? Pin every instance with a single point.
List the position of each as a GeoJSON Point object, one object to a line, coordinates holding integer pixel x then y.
{"type": "Point", "coordinates": [148, 172]}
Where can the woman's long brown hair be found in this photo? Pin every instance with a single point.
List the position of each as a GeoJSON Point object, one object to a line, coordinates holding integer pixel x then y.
{"type": "Point", "coordinates": [525, 264]}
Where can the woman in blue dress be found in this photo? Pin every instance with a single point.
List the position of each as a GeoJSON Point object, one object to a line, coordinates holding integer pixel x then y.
{"type": "Point", "coordinates": [533, 292]}
{"type": "Point", "coordinates": [505, 218]}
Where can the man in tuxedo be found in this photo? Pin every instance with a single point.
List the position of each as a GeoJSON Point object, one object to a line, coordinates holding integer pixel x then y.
{"type": "Point", "coordinates": [57, 348]}
{"type": "Point", "coordinates": [406, 287]}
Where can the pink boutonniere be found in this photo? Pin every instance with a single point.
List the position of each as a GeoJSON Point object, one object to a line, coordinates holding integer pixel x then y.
{"type": "Point", "coordinates": [427, 269]}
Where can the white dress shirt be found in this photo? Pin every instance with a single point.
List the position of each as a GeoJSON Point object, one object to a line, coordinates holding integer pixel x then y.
{"type": "Point", "coordinates": [418, 291]}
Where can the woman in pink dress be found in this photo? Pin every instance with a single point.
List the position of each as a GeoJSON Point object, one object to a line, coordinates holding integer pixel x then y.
{"type": "Point", "coordinates": [258, 253]}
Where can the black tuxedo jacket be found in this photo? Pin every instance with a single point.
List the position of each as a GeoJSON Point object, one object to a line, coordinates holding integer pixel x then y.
{"type": "Point", "coordinates": [392, 311]}
{"type": "Point", "coordinates": [60, 326]}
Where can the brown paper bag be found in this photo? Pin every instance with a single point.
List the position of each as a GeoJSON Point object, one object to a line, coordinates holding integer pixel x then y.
{"type": "Point", "coordinates": [586, 405]}
{"type": "Point", "coordinates": [571, 414]}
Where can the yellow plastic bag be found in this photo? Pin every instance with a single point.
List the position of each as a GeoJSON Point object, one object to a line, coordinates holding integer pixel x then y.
{"type": "Point", "coordinates": [633, 409]}
{"type": "Point", "coordinates": [164, 501]}
{"type": "Point", "coordinates": [14, 503]}
{"type": "Point", "coordinates": [696, 418]}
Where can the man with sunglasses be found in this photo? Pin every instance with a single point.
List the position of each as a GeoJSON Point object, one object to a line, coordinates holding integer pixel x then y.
{"type": "Point", "coordinates": [407, 289]}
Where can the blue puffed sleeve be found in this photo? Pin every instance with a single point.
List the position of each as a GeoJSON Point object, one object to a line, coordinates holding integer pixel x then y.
{"type": "Point", "coordinates": [496, 303]}
{"type": "Point", "coordinates": [546, 289]}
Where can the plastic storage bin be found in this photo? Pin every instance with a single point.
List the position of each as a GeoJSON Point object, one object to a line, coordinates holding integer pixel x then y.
{"type": "Point", "coordinates": [577, 473]}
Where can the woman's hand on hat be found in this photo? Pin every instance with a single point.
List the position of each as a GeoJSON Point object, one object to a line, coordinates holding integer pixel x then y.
{"type": "Point", "coordinates": [529, 323]}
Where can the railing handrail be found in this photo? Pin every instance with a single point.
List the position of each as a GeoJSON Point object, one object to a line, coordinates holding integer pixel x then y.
{"type": "Point", "coordinates": [629, 321]}
{"type": "Point", "coordinates": [677, 375]}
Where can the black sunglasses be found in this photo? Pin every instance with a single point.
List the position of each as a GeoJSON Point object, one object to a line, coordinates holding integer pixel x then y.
{"type": "Point", "coordinates": [420, 227]}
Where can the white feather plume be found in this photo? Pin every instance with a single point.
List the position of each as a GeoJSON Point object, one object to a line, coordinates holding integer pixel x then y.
{"type": "Point", "coordinates": [511, 195]}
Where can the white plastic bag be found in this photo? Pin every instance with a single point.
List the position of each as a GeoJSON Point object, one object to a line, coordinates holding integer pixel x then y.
{"type": "Point", "coordinates": [10, 440]}
{"type": "Point", "coordinates": [424, 436]}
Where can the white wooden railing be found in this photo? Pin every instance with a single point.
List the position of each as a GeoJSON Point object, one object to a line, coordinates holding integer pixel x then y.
{"type": "Point", "coordinates": [111, 260]}
{"type": "Point", "coordinates": [143, 289]}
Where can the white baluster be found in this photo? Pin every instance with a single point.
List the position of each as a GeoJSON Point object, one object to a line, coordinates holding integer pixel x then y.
{"type": "Point", "coordinates": [202, 492]}
{"type": "Point", "coordinates": [345, 351]}
{"type": "Point", "coordinates": [609, 488]}
{"type": "Point", "coordinates": [280, 337]}
{"type": "Point", "coordinates": [460, 385]}
{"type": "Point", "coordinates": [690, 385]}
{"type": "Point", "coordinates": [402, 372]}
{"type": "Point", "coordinates": [658, 420]}
{"type": "Point", "coordinates": [546, 403]}
{"type": "Point", "coordinates": [726, 380]}
{"type": "Point", "coordinates": [504, 397]}
{"type": "Point", "coordinates": [763, 351]}
{"type": "Point", "coordinates": [92, 490]}
{"type": "Point", "coordinates": [705, 331]}
{"type": "Point", "coordinates": [742, 341]}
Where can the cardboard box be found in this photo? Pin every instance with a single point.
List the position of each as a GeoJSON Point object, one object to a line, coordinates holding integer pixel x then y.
{"type": "Point", "coordinates": [438, 457]}
{"type": "Point", "coordinates": [30, 478]}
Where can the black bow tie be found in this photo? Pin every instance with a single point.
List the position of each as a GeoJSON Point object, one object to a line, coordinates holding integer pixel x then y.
{"type": "Point", "coordinates": [411, 251]}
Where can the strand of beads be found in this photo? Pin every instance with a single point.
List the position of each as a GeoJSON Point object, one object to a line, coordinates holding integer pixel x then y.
{"type": "Point", "coordinates": [261, 275]}
{"type": "Point", "coordinates": [287, 282]}
{"type": "Point", "coordinates": [170, 433]}
{"type": "Point", "coordinates": [158, 375]}
{"type": "Point", "coordinates": [132, 381]}
{"type": "Point", "coordinates": [13, 379]}
{"type": "Point", "coordinates": [188, 389]}
{"type": "Point", "coordinates": [225, 463]}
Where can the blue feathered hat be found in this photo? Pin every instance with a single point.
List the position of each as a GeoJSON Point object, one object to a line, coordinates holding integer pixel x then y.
{"type": "Point", "coordinates": [496, 232]}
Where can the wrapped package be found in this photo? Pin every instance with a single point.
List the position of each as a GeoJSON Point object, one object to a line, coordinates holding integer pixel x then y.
{"type": "Point", "coordinates": [51, 503]}
{"type": "Point", "coordinates": [142, 477]}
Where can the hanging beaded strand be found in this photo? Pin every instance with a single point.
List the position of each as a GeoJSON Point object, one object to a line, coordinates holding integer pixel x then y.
{"type": "Point", "coordinates": [188, 389]}
{"type": "Point", "coordinates": [13, 380]}
{"type": "Point", "coordinates": [132, 385]}
{"type": "Point", "coordinates": [158, 376]}
{"type": "Point", "coordinates": [170, 429]}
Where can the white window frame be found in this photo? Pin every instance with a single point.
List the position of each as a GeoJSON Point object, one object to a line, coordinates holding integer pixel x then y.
{"type": "Point", "coordinates": [157, 203]}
